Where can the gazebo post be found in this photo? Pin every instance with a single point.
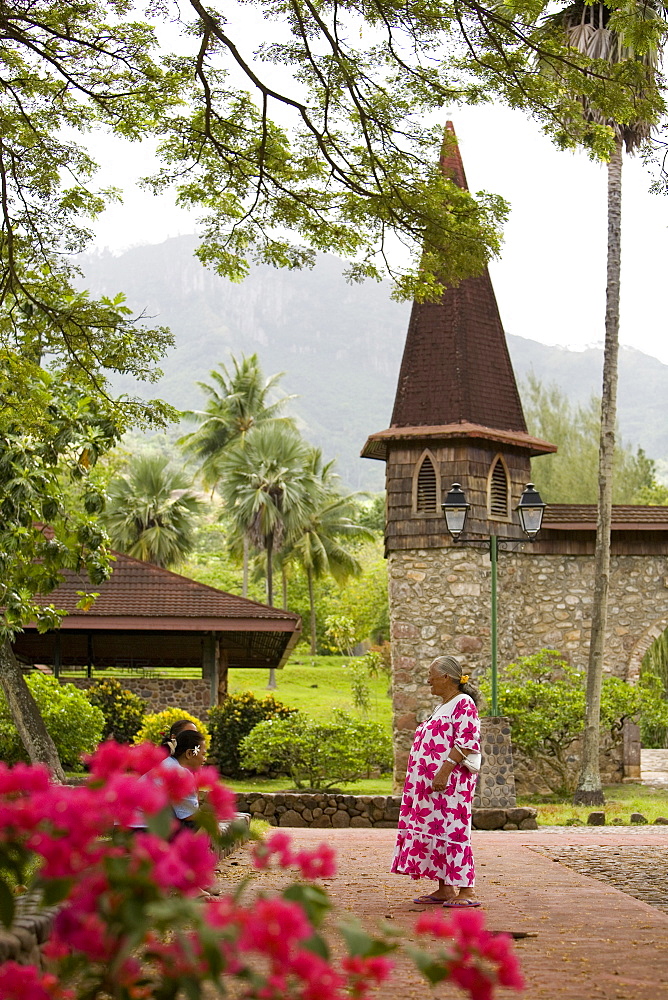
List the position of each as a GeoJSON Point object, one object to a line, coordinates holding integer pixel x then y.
{"type": "Point", "coordinates": [210, 665]}
{"type": "Point", "coordinates": [223, 665]}
{"type": "Point", "coordinates": [57, 656]}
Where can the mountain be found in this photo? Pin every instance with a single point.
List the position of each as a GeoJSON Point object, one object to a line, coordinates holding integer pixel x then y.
{"type": "Point", "coordinates": [340, 347]}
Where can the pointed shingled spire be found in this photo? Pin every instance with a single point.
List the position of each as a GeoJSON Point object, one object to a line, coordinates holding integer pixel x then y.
{"type": "Point", "coordinates": [451, 159]}
{"type": "Point", "coordinates": [456, 369]}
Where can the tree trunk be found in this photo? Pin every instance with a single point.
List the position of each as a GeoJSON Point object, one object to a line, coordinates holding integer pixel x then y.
{"type": "Point", "coordinates": [271, 686]}
{"type": "Point", "coordinates": [244, 582]}
{"type": "Point", "coordinates": [26, 715]}
{"type": "Point", "coordinates": [311, 604]}
{"type": "Point", "coordinates": [589, 790]}
{"type": "Point", "coordinates": [284, 584]}
{"type": "Point", "coordinates": [270, 570]}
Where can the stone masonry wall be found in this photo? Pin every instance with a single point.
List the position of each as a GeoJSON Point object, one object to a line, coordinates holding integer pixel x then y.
{"type": "Point", "coordinates": [324, 810]}
{"type": "Point", "coordinates": [193, 694]}
{"type": "Point", "coordinates": [440, 603]}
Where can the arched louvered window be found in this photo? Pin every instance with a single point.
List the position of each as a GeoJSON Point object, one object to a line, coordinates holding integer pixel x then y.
{"type": "Point", "coordinates": [498, 491]}
{"type": "Point", "coordinates": [426, 493]}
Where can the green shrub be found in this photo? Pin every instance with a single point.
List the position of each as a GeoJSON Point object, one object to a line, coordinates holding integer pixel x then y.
{"type": "Point", "coordinates": [543, 696]}
{"type": "Point", "coordinates": [123, 711]}
{"type": "Point", "coordinates": [75, 726]}
{"type": "Point", "coordinates": [233, 720]}
{"type": "Point", "coordinates": [318, 755]}
{"type": "Point", "coordinates": [156, 726]}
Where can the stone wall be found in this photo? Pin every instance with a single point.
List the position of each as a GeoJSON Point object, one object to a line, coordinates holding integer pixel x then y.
{"type": "Point", "coordinates": [496, 782]}
{"type": "Point", "coordinates": [192, 694]}
{"type": "Point", "coordinates": [324, 810]}
{"type": "Point", "coordinates": [30, 929]}
{"type": "Point", "coordinates": [440, 603]}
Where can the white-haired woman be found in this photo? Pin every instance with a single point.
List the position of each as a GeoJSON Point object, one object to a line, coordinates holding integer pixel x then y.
{"type": "Point", "coordinates": [434, 835]}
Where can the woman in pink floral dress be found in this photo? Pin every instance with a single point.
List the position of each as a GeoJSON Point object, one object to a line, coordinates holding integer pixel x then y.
{"type": "Point", "coordinates": [434, 834]}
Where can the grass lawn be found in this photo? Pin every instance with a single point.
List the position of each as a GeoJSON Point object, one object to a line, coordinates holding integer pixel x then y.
{"type": "Point", "coordinates": [364, 786]}
{"type": "Point", "coordinates": [316, 685]}
{"type": "Point", "coordinates": [620, 802]}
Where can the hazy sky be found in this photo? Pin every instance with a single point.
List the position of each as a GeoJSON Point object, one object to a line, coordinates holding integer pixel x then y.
{"type": "Point", "coordinates": [550, 282]}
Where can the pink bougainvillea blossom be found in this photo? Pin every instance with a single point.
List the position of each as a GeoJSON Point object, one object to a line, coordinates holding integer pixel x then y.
{"type": "Point", "coordinates": [131, 925]}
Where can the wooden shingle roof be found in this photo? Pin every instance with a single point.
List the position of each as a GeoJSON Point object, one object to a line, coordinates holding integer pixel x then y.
{"type": "Point", "coordinates": [143, 591]}
{"type": "Point", "coordinates": [148, 615]}
{"type": "Point", "coordinates": [456, 369]}
{"type": "Point", "coordinates": [625, 517]}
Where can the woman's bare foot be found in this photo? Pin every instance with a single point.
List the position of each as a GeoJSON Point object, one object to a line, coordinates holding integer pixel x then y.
{"type": "Point", "coordinates": [443, 894]}
{"type": "Point", "coordinates": [465, 897]}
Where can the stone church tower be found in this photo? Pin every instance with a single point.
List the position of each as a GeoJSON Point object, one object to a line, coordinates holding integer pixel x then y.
{"type": "Point", "coordinates": [457, 418]}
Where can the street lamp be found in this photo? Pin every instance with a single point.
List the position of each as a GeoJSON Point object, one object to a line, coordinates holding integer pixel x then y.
{"type": "Point", "coordinates": [530, 509]}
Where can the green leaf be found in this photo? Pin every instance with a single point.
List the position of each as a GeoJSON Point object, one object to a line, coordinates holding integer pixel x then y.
{"type": "Point", "coordinates": [317, 945]}
{"type": "Point", "coordinates": [7, 904]}
{"type": "Point", "coordinates": [314, 901]}
{"type": "Point", "coordinates": [55, 890]}
{"type": "Point", "coordinates": [434, 971]}
{"type": "Point", "coordinates": [161, 823]}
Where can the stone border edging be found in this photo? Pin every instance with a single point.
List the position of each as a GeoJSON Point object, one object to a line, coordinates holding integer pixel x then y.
{"type": "Point", "coordinates": [323, 810]}
{"type": "Point", "coordinates": [31, 928]}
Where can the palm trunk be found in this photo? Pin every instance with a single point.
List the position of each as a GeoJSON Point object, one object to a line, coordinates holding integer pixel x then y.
{"type": "Point", "coordinates": [26, 715]}
{"type": "Point", "coordinates": [311, 604]}
{"type": "Point", "coordinates": [270, 570]}
{"type": "Point", "coordinates": [589, 790]}
{"type": "Point", "coordinates": [244, 582]}
{"type": "Point", "coordinates": [284, 584]}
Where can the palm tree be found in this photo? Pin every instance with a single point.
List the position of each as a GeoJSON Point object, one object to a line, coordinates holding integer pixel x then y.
{"type": "Point", "coordinates": [587, 29]}
{"type": "Point", "coordinates": [268, 487]}
{"type": "Point", "coordinates": [152, 512]}
{"type": "Point", "coordinates": [317, 544]}
{"type": "Point", "coordinates": [238, 400]}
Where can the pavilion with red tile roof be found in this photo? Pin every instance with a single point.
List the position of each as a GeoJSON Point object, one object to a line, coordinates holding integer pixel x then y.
{"type": "Point", "coordinates": [148, 617]}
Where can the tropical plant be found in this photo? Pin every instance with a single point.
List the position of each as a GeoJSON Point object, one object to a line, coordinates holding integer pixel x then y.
{"type": "Point", "coordinates": [152, 511]}
{"type": "Point", "coordinates": [543, 697]}
{"type": "Point", "coordinates": [318, 755]}
{"type": "Point", "coordinates": [156, 725]}
{"type": "Point", "coordinates": [123, 710]}
{"type": "Point", "coordinates": [268, 488]}
{"type": "Point", "coordinates": [238, 400]}
{"type": "Point", "coordinates": [51, 437]}
{"type": "Point", "coordinates": [318, 543]}
{"type": "Point", "coordinates": [655, 664]}
{"type": "Point", "coordinates": [233, 720]}
{"type": "Point", "coordinates": [570, 476]}
{"type": "Point", "coordinates": [604, 38]}
{"type": "Point", "coordinates": [341, 631]}
{"type": "Point", "coordinates": [74, 725]}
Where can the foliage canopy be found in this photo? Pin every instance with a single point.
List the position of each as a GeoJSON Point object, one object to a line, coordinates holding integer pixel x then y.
{"type": "Point", "coordinates": [543, 696]}
{"type": "Point", "coordinates": [317, 754]}
{"type": "Point", "coordinates": [74, 725]}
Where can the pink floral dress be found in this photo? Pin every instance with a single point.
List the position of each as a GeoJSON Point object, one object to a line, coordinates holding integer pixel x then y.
{"type": "Point", "coordinates": [434, 830]}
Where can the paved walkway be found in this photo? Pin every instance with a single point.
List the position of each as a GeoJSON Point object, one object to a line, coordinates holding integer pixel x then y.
{"type": "Point", "coordinates": [589, 940]}
{"type": "Point", "coordinates": [654, 768]}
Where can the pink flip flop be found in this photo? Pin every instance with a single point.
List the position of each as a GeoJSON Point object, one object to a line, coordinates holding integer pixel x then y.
{"type": "Point", "coordinates": [428, 899]}
{"type": "Point", "coordinates": [452, 904]}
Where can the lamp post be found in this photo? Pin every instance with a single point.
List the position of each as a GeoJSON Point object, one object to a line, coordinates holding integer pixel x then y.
{"type": "Point", "coordinates": [530, 509]}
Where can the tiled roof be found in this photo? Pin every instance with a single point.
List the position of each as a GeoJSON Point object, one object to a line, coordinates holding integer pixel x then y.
{"type": "Point", "coordinates": [456, 367]}
{"type": "Point", "coordinates": [141, 590]}
{"type": "Point", "coordinates": [631, 517]}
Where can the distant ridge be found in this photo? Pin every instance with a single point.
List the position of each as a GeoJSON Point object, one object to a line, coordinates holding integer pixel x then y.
{"type": "Point", "coordinates": [340, 346]}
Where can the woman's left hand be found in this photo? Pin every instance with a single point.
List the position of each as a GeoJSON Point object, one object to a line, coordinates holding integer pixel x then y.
{"type": "Point", "coordinates": [441, 778]}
